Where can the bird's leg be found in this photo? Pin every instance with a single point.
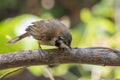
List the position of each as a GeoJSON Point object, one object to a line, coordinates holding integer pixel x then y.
{"type": "Point", "coordinates": [41, 52]}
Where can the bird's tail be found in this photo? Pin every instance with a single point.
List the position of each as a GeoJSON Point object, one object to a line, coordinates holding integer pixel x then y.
{"type": "Point", "coordinates": [18, 38]}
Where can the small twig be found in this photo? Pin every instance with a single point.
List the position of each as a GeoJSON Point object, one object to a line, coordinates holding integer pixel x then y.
{"type": "Point", "coordinates": [47, 72]}
{"type": "Point", "coordinates": [10, 72]}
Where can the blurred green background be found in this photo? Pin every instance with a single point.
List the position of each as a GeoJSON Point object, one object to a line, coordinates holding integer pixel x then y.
{"type": "Point", "coordinates": [92, 23]}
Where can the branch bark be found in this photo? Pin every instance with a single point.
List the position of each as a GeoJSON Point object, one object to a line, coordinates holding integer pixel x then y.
{"type": "Point", "coordinates": [93, 55]}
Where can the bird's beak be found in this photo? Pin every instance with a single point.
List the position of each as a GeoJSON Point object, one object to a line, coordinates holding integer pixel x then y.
{"type": "Point", "coordinates": [63, 45]}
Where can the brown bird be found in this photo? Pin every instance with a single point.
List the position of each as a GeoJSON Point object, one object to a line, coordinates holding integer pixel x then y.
{"type": "Point", "coordinates": [48, 32]}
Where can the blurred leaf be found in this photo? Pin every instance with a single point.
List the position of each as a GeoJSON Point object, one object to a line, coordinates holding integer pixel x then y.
{"type": "Point", "coordinates": [117, 72]}
{"type": "Point", "coordinates": [95, 27]}
{"type": "Point", "coordinates": [106, 72]}
{"type": "Point", "coordinates": [60, 69]}
{"type": "Point", "coordinates": [2, 72]}
{"type": "Point", "coordinates": [36, 70]}
{"type": "Point", "coordinates": [104, 8]}
{"type": "Point", "coordinates": [85, 15]}
{"type": "Point", "coordinates": [8, 28]}
{"type": "Point", "coordinates": [46, 15]}
{"type": "Point", "coordinates": [106, 24]}
{"type": "Point", "coordinates": [77, 35]}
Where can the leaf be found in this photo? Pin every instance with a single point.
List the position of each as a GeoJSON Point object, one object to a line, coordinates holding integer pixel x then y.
{"type": "Point", "coordinates": [36, 70]}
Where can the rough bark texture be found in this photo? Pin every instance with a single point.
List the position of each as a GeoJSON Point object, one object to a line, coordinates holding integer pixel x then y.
{"type": "Point", "coordinates": [93, 55]}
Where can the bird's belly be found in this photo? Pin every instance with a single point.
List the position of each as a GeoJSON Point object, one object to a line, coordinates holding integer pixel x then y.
{"type": "Point", "coordinates": [45, 42]}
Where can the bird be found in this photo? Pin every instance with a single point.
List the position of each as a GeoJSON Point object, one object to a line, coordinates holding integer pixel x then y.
{"type": "Point", "coordinates": [49, 32]}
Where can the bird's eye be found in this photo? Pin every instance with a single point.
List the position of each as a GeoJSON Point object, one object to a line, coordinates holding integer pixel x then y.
{"type": "Point", "coordinates": [61, 38]}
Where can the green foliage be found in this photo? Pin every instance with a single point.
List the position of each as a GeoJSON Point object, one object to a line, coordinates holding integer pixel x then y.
{"type": "Point", "coordinates": [9, 70]}
{"type": "Point", "coordinates": [58, 70]}
{"type": "Point", "coordinates": [97, 28]}
{"type": "Point", "coordinates": [104, 9]}
{"type": "Point", "coordinates": [8, 30]}
{"type": "Point", "coordinates": [36, 70]}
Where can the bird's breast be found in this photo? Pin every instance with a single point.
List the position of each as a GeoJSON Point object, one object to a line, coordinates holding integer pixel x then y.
{"type": "Point", "coordinates": [47, 42]}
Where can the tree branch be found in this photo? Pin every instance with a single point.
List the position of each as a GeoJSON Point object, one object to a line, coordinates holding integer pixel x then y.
{"type": "Point", "coordinates": [93, 55]}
